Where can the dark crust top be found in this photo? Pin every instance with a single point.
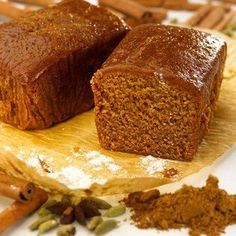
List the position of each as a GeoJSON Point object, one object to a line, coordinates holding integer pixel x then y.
{"type": "Point", "coordinates": [183, 56]}
{"type": "Point", "coordinates": [33, 42]}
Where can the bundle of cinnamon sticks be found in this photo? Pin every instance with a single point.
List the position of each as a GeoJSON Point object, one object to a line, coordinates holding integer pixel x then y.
{"type": "Point", "coordinates": [8, 9]}
{"type": "Point", "coordinates": [135, 13]}
{"type": "Point", "coordinates": [27, 199]}
{"type": "Point", "coordinates": [171, 4]}
{"type": "Point", "coordinates": [216, 17]}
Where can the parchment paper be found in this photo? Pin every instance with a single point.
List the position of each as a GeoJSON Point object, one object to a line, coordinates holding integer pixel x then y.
{"type": "Point", "coordinates": [68, 158]}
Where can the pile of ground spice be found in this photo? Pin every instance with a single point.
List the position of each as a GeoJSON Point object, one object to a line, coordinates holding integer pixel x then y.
{"type": "Point", "coordinates": [207, 210]}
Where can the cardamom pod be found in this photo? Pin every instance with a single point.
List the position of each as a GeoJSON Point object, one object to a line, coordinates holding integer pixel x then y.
{"type": "Point", "coordinates": [48, 203]}
{"type": "Point", "coordinates": [105, 227]}
{"type": "Point", "coordinates": [79, 215]}
{"type": "Point", "coordinates": [57, 197]}
{"type": "Point", "coordinates": [89, 208]}
{"type": "Point", "coordinates": [66, 230]}
{"type": "Point", "coordinates": [58, 208]}
{"type": "Point", "coordinates": [68, 216]}
{"type": "Point", "coordinates": [66, 199]}
{"type": "Point", "coordinates": [75, 201]}
{"type": "Point", "coordinates": [94, 222]}
{"type": "Point", "coordinates": [101, 204]}
{"type": "Point", "coordinates": [115, 211]}
{"type": "Point", "coordinates": [174, 21]}
{"type": "Point", "coordinates": [44, 212]}
{"type": "Point", "coordinates": [35, 225]}
{"type": "Point", "coordinates": [48, 225]}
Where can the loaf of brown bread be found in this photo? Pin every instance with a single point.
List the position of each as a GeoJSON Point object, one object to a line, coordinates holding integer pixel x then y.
{"type": "Point", "coordinates": [156, 92]}
{"type": "Point", "coordinates": [47, 59]}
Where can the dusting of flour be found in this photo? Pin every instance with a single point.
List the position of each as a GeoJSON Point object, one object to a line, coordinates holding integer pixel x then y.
{"type": "Point", "coordinates": [152, 164]}
{"type": "Point", "coordinates": [98, 161]}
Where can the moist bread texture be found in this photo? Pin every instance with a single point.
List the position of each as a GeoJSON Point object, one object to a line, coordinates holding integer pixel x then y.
{"type": "Point", "coordinates": [156, 93]}
{"type": "Point", "coordinates": [47, 59]}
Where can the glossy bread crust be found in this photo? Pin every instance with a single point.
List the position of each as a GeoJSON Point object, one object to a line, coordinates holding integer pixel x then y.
{"type": "Point", "coordinates": [47, 59]}
{"type": "Point", "coordinates": [182, 56]}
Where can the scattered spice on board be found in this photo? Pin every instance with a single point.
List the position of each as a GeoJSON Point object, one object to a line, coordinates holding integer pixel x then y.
{"type": "Point", "coordinates": [168, 173]}
{"type": "Point", "coordinates": [207, 210]}
{"type": "Point", "coordinates": [45, 166]}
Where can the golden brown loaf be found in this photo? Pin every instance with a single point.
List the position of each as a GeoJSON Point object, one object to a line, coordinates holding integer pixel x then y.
{"type": "Point", "coordinates": [47, 59]}
{"type": "Point", "coordinates": [156, 92]}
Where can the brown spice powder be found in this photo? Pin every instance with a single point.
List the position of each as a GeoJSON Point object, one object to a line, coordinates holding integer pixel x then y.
{"type": "Point", "coordinates": [207, 210]}
{"type": "Point", "coordinates": [168, 173]}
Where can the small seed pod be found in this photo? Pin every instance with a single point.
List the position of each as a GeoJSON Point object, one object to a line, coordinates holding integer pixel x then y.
{"type": "Point", "coordinates": [79, 215]}
{"type": "Point", "coordinates": [58, 208]}
{"type": "Point", "coordinates": [66, 230]}
{"type": "Point", "coordinates": [68, 216]}
{"type": "Point", "coordinates": [89, 208]}
{"type": "Point", "coordinates": [105, 227]}
{"type": "Point", "coordinates": [101, 204]}
{"type": "Point", "coordinates": [46, 226]}
{"type": "Point", "coordinates": [115, 211]}
{"type": "Point", "coordinates": [94, 222]}
{"type": "Point", "coordinates": [35, 225]}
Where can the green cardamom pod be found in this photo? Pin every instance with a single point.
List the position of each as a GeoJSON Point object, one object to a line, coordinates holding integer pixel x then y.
{"type": "Point", "coordinates": [101, 204]}
{"type": "Point", "coordinates": [48, 225]}
{"type": "Point", "coordinates": [75, 200]}
{"type": "Point", "coordinates": [49, 203]}
{"type": "Point", "coordinates": [105, 227]}
{"type": "Point", "coordinates": [94, 222]}
{"type": "Point", "coordinates": [44, 212]}
{"type": "Point", "coordinates": [35, 225]}
{"type": "Point", "coordinates": [66, 230]}
{"type": "Point", "coordinates": [115, 211]}
{"type": "Point", "coordinates": [66, 199]}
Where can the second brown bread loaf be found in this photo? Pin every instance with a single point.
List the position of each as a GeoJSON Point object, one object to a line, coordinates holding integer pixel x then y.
{"type": "Point", "coordinates": [47, 59]}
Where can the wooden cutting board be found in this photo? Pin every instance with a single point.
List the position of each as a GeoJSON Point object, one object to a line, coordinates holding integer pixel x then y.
{"type": "Point", "coordinates": [68, 158]}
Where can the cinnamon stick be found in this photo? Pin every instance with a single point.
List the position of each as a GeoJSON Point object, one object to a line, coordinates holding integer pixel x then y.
{"type": "Point", "coordinates": [181, 5]}
{"type": "Point", "coordinates": [192, 6]}
{"type": "Point", "coordinates": [134, 9]}
{"type": "Point", "coordinates": [150, 3]}
{"type": "Point", "coordinates": [9, 10]}
{"type": "Point", "coordinates": [199, 15]}
{"type": "Point", "coordinates": [153, 15]}
{"type": "Point", "coordinates": [213, 18]}
{"type": "Point", "coordinates": [174, 4]}
{"type": "Point", "coordinates": [226, 20]}
{"type": "Point", "coordinates": [117, 13]}
{"type": "Point", "coordinates": [42, 3]}
{"type": "Point", "coordinates": [132, 22]}
{"type": "Point", "coordinates": [18, 211]}
{"type": "Point", "coordinates": [171, 4]}
{"type": "Point", "coordinates": [17, 189]}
